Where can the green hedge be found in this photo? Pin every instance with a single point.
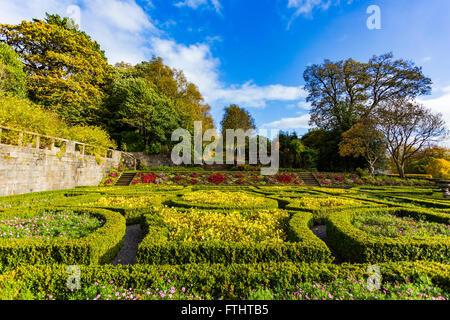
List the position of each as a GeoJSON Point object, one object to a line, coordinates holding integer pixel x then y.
{"type": "Point", "coordinates": [31, 199]}
{"type": "Point", "coordinates": [101, 246]}
{"type": "Point", "coordinates": [156, 248]}
{"type": "Point", "coordinates": [267, 204]}
{"type": "Point", "coordinates": [355, 245]}
{"type": "Point", "coordinates": [234, 281]}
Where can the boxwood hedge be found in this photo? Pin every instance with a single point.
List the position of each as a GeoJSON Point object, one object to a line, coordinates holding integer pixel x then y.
{"type": "Point", "coordinates": [355, 245]}
{"type": "Point", "coordinates": [100, 246]}
{"type": "Point", "coordinates": [156, 248]}
{"type": "Point", "coordinates": [233, 281]}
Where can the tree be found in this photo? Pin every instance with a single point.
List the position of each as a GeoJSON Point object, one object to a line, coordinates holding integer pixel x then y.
{"type": "Point", "coordinates": [136, 106]}
{"type": "Point", "coordinates": [12, 76]}
{"type": "Point", "coordinates": [439, 169]}
{"type": "Point", "coordinates": [343, 92]}
{"type": "Point", "coordinates": [237, 118]}
{"type": "Point", "coordinates": [174, 85]}
{"type": "Point", "coordinates": [419, 161]}
{"type": "Point", "coordinates": [407, 128]}
{"type": "Point", "coordinates": [66, 71]}
{"type": "Point", "coordinates": [364, 140]}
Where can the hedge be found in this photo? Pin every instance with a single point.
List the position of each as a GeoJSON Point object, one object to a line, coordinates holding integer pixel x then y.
{"type": "Point", "coordinates": [30, 199]}
{"type": "Point", "coordinates": [101, 246]}
{"type": "Point", "coordinates": [320, 214]}
{"type": "Point", "coordinates": [233, 281]}
{"type": "Point", "coordinates": [355, 245]}
{"type": "Point", "coordinates": [156, 248]}
{"type": "Point", "coordinates": [267, 204]}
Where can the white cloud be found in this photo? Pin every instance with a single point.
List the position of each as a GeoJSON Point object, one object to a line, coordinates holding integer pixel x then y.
{"type": "Point", "coordinates": [439, 104]}
{"type": "Point", "coordinates": [118, 25]}
{"type": "Point", "coordinates": [194, 4]}
{"type": "Point", "coordinates": [127, 33]}
{"type": "Point", "coordinates": [201, 68]}
{"type": "Point", "coordinates": [301, 122]}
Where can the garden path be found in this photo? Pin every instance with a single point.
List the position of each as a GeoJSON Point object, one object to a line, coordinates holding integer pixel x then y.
{"type": "Point", "coordinates": [127, 255]}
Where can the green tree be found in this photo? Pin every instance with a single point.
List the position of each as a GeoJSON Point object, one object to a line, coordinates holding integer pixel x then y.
{"type": "Point", "coordinates": [12, 76]}
{"type": "Point", "coordinates": [174, 85]}
{"type": "Point", "coordinates": [237, 118]}
{"type": "Point", "coordinates": [66, 71]}
{"type": "Point", "coordinates": [136, 106]}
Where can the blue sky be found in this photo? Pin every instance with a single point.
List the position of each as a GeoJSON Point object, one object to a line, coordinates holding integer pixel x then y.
{"type": "Point", "coordinates": [253, 52]}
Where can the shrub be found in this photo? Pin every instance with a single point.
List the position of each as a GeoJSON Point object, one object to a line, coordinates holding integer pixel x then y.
{"type": "Point", "coordinates": [215, 199]}
{"type": "Point", "coordinates": [158, 248]}
{"type": "Point", "coordinates": [439, 169]}
{"type": "Point", "coordinates": [355, 245]}
{"type": "Point", "coordinates": [232, 281]}
{"type": "Point", "coordinates": [99, 246]}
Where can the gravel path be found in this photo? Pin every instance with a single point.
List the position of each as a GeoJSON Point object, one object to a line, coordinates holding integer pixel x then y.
{"type": "Point", "coordinates": [321, 233]}
{"type": "Point", "coordinates": [127, 255]}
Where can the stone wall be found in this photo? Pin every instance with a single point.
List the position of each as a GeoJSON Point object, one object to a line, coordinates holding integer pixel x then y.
{"type": "Point", "coordinates": [153, 160]}
{"type": "Point", "coordinates": [28, 169]}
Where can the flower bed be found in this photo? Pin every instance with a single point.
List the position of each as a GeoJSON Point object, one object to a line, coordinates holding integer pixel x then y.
{"type": "Point", "coordinates": [98, 246]}
{"type": "Point", "coordinates": [262, 226]}
{"type": "Point", "coordinates": [392, 226]}
{"type": "Point", "coordinates": [48, 224]}
{"type": "Point", "coordinates": [205, 178]}
{"type": "Point", "coordinates": [356, 245]}
{"type": "Point", "coordinates": [162, 244]}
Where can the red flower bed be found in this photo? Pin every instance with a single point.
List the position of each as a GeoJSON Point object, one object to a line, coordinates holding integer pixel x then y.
{"type": "Point", "coordinates": [194, 181]}
{"type": "Point", "coordinates": [109, 181]}
{"type": "Point", "coordinates": [149, 178]}
{"type": "Point", "coordinates": [339, 178]}
{"type": "Point", "coordinates": [194, 175]}
{"type": "Point", "coordinates": [113, 174]}
{"type": "Point", "coordinates": [177, 178]}
{"type": "Point", "coordinates": [284, 178]}
{"type": "Point", "coordinates": [217, 178]}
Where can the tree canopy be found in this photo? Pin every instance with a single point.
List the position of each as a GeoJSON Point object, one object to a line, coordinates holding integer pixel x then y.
{"type": "Point", "coordinates": [12, 76]}
{"type": "Point", "coordinates": [66, 71]}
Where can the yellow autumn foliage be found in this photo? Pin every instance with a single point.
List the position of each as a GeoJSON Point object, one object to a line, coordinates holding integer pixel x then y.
{"type": "Point", "coordinates": [439, 169]}
{"type": "Point", "coordinates": [264, 226]}
{"type": "Point", "coordinates": [214, 197]}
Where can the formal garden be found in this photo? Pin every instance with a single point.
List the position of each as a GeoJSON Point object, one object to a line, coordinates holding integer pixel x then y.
{"type": "Point", "coordinates": [226, 241]}
{"type": "Point", "coordinates": [357, 209]}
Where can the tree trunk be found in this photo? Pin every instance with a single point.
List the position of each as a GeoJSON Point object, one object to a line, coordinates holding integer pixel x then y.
{"type": "Point", "coordinates": [401, 170]}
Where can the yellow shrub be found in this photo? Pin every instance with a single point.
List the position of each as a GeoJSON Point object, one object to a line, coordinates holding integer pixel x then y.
{"type": "Point", "coordinates": [439, 169]}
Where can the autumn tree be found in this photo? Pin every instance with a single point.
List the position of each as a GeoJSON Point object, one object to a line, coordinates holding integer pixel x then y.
{"type": "Point", "coordinates": [419, 161]}
{"type": "Point", "coordinates": [174, 85]}
{"type": "Point", "coordinates": [66, 70]}
{"type": "Point", "coordinates": [237, 118]}
{"type": "Point", "coordinates": [343, 92]}
{"type": "Point", "coordinates": [12, 76]}
{"type": "Point", "coordinates": [364, 140]}
{"type": "Point", "coordinates": [408, 127]}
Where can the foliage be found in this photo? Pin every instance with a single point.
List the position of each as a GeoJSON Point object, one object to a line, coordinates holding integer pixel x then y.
{"type": "Point", "coordinates": [363, 140]}
{"type": "Point", "coordinates": [148, 116]}
{"type": "Point", "coordinates": [12, 76]}
{"type": "Point", "coordinates": [237, 118]}
{"type": "Point", "coordinates": [173, 84]}
{"type": "Point", "coordinates": [66, 71]}
{"type": "Point", "coordinates": [407, 128]}
{"type": "Point", "coordinates": [231, 281]}
{"type": "Point", "coordinates": [222, 199]}
{"type": "Point", "coordinates": [263, 226]}
{"type": "Point", "coordinates": [439, 169]}
{"type": "Point", "coordinates": [344, 91]}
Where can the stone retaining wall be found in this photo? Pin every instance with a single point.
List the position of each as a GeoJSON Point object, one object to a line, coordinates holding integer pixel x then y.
{"type": "Point", "coordinates": [28, 169]}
